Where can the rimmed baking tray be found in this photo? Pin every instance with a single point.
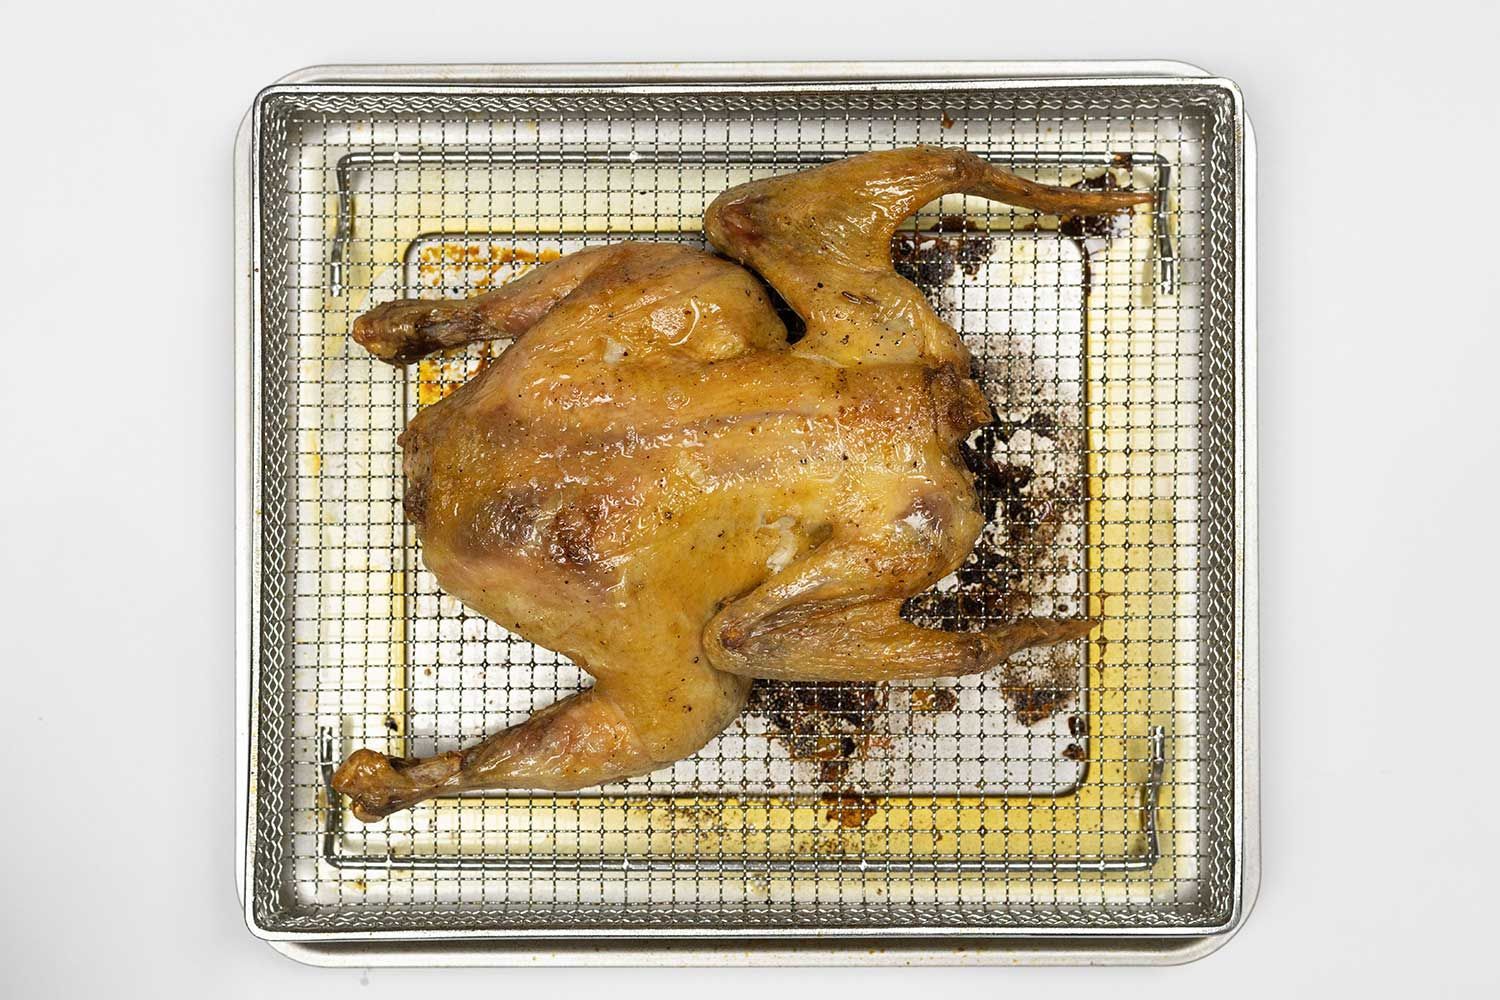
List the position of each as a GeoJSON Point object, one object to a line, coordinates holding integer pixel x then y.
{"type": "Point", "coordinates": [1090, 804]}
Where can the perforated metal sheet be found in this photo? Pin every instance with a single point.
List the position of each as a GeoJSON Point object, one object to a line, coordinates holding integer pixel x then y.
{"type": "Point", "coordinates": [1009, 801]}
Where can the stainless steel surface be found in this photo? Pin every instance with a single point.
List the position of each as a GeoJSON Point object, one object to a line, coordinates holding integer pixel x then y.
{"type": "Point", "coordinates": [336, 605]}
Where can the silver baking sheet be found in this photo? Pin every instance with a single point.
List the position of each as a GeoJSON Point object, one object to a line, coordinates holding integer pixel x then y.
{"type": "Point", "coordinates": [1104, 790]}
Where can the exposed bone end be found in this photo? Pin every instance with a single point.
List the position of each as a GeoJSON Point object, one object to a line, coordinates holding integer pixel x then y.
{"type": "Point", "coordinates": [378, 785]}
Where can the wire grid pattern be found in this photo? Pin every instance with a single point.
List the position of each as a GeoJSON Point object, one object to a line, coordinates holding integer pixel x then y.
{"type": "Point", "coordinates": [701, 852]}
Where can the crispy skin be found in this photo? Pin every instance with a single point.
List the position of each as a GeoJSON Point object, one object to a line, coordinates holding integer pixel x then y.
{"type": "Point", "coordinates": [651, 481]}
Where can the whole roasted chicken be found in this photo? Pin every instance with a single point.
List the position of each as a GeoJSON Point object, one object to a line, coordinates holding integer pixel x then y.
{"type": "Point", "coordinates": [654, 482]}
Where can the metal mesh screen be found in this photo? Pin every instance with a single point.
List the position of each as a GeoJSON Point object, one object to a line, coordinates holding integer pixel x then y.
{"type": "Point", "coordinates": [1083, 786]}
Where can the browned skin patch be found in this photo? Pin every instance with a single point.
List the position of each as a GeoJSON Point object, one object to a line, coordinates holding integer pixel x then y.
{"type": "Point", "coordinates": [570, 541]}
{"type": "Point", "coordinates": [508, 518]}
{"type": "Point", "coordinates": [414, 502]}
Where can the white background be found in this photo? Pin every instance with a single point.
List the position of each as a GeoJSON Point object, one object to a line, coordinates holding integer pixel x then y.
{"type": "Point", "coordinates": [1379, 171]}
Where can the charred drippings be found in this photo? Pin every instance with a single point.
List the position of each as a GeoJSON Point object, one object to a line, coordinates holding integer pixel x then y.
{"type": "Point", "coordinates": [929, 257]}
{"type": "Point", "coordinates": [1034, 702]}
{"type": "Point", "coordinates": [933, 700]}
{"type": "Point", "coordinates": [998, 582]}
{"type": "Point", "coordinates": [1101, 226]}
{"type": "Point", "coordinates": [834, 725]}
{"type": "Point", "coordinates": [1082, 228]}
{"type": "Point", "coordinates": [849, 809]}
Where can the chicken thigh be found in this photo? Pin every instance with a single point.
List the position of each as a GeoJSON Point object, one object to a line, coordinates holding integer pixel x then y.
{"type": "Point", "coordinates": [653, 482]}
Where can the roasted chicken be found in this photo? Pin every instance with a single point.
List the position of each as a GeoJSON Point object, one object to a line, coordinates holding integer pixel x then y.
{"type": "Point", "coordinates": [654, 482]}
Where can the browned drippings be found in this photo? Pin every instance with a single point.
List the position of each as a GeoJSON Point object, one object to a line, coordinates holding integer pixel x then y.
{"type": "Point", "coordinates": [442, 375]}
{"type": "Point", "coordinates": [1042, 684]}
{"type": "Point", "coordinates": [1100, 226]}
{"type": "Point", "coordinates": [483, 261]}
{"type": "Point", "coordinates": [832, 724]}
{"type": "Point", "coordinates": [1082, 228]}
{"type": "Point", "coordinates": [932, 700]}
{"type": "Point", "coordinates": [849, 809]}
{"type": "Point", "coordinates": [929, 257]}
{"type": "Point", "coordinates": [1035, 702]}
{"type": "Point", "coordinates": [991, 583]}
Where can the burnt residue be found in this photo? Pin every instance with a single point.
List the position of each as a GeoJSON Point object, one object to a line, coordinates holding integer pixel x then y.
{"type": "Point", "coordinates": [849, 809]}
{"type": "Point", "coordinates": [929, 257]}
{"type": "Point", "coordinates": [830, 724]}
{"type": "Point", "coordinates": [1100, 226]}
{"type": "Point", "coordinates": [1082, 228]}
{"type": "Point", "coordinates": [931, 701]}
{"type": "Point", "coordinates": [1042, 683]}
{"type": "Point", "coordinates": [1074, 752]}
{"type": "Point", "coordinates": [1034, 702]}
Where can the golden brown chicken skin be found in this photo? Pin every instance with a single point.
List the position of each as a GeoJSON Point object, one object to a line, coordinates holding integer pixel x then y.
{"type": "Point", "coordinates": [653, 482]}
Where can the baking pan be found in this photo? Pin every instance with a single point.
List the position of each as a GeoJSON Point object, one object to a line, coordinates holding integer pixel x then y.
{"type": "Point", "coordinates": [1093, 803]}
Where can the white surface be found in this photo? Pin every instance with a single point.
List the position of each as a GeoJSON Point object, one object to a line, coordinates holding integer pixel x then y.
{"type": "Point", "coordinates": [1378, 361]}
